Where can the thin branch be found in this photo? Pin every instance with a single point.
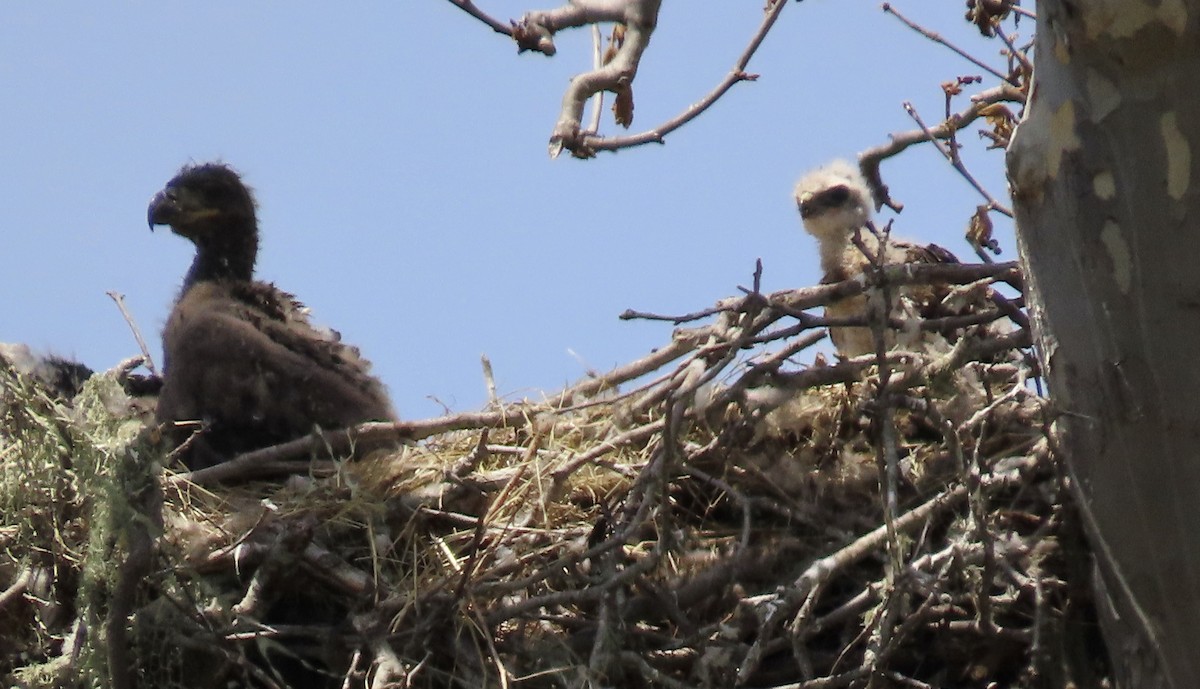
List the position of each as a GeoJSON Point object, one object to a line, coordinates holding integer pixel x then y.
{"type": "Point", "coordinates": [489, 379]}
{"type": "Point", "coordinates": [683, 342]}
{"type": "Point", "coordinates": [343, 442]}
{"type": "Point", "coordinates": [938, 38]}
{"type": "Point", "coordinates": [1018, 54]}
{"type": "Point", "coordinates": [470, 8]}
{"type": "Point", "coordinates": [630, 314]}
{"type": "Point", "coordinates": [17, 589]}
{"type": "Point", "coordinates": [952, 156]}
{"type": "Point", "coordinates": [635, 435]}
{"type": "Point", "coordinates": [735, 75]}
{"type": "Point", "coordinates": [598, 98]}
{"type": "Point", "coordinates": [870, 159]}
{"type": "Point", "coordinates": [137, 333]}
{"type": "Point", "coordinates": [793, 301]}
{"type": "Point", "coordinates": [535, 31]}
{"type": "Point", "coordinates": [900, 274]}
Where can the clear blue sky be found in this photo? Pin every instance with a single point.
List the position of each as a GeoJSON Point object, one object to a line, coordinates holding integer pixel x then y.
{"type": "Point", "coordinates": [398, 151]}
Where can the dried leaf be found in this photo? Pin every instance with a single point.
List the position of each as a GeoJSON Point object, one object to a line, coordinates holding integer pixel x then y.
{"type": "Point", "coordinates": [979, 230]}
{"type": "Point", "coordinates": [532, 37]}
{"type": "Point", "coordinates": [986, 14]}
{"type": "Point", "coordinates": [623, 105]}
{"type": "Point", "coordinates": [1001, 120]}
{"type": "Point", "coordinates": [615, 41]}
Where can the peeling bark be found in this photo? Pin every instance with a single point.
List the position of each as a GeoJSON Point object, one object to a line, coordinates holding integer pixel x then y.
{"type": "Point", "coordinates": [1108, 226]}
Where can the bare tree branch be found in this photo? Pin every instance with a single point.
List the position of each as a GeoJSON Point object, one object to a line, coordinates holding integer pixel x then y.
{"type": "Point", "coordinates": [470, 8]}
{"type": "Point", "coordinates": [951, 154]}
{"type": "Point", "coordinates": [938, 38]}
{"type": "Point", "coordinates": [137, 332]}
{"type": "Point", "coordinates": [372, 434]}
{"type": "Point", "coordinates": [536, 31]}
{"type": "Point", "coordinates": [735, 75]}
{"type": "Point", "coordinates": [870, 159]}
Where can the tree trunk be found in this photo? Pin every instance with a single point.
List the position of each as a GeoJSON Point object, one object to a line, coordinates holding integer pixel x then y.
{"type": "Point", "coordinates": [1109, 229]}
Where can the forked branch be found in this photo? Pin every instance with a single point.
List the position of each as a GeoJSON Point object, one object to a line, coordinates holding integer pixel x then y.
{"type": "Point", "coordinates": [536, 29]}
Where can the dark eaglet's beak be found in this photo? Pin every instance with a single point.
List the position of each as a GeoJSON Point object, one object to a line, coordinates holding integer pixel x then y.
{"type": "Point", "coordinates": [163, 208]}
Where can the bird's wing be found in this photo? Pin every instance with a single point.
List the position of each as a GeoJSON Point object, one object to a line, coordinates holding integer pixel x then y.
{"type": "Point", "coordinates": [233, 360]}
{"type": "Point", "coordinates": [285, 320]}
{"type": "Point", "coordinates": [941, 300]}
{"type": "Point", "coordinates": [929, 253]}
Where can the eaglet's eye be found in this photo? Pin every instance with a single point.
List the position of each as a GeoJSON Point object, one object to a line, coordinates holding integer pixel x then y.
{"type": "Point", "coordinates": [837, 195]}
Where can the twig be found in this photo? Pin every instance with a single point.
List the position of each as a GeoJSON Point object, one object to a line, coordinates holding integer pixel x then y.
{"type": "Point", "coordinates": [652, 674]}
{"type": "Point", "coordinates": [937, 38]}
{"type": "Point", "coordinates": [352, 670]}
{"type": "Point", "coordinates": [760, 370]}
{"type": "Point", "coordinates": [514, 483]}
{"type": "Point", "coordinates": [952, 156]}
{"type": "Point", "coordinates": [630, 314]}
{"type": "Point", "coordinates": [898, 274]}
{"type": "Point", "coordinates": [264, 587]}
{"type": "Point", "coordinates": [1024, 12]}
{"type": "Point", "coordinates": [869, 596]}
{"type": "Point", "coordinates": [824, 569]}
{"type": "Point", "coordinates": [1017, 54]}
{"type": "Point", "coordinates": [983, 531]}
{"type": "Point", "coordinates": [17, 589]}
{"type": "Point", "coordinates": [682, 343]}
{"type": "Point", "coordinates": [887, 452]}
{"type": "Point", "coordinates": [137, 333]}
{"type": "Point", "coordinates": [735, 495]}
{"type": "Point", "coordinates": [976, 349]}
{"type": "Point", "coordinates": [489, 379]}
{"type": "Point", "coordinates": [736, 75]}
{"type": "Point", "coordinates": [340, 575]}
{"type": "Point", "coordinates": [870, 159]}
{"type": "Point", "coordinates": [470, 8]}
{"type": "Point", "coordinates": [598, 98]}
{"type": "Point", "coordinates": [340, 442]}
{"type": "Point", "coordinates": [632, 436]}
{"type": "Point", "coordinates": [792, 302]}
{"type": "Point", "coordinates": [602, 659]}
{"type": "Point", "coordinates": [536, 32]}
{"type": "Point", "coordinates": [472, 563]}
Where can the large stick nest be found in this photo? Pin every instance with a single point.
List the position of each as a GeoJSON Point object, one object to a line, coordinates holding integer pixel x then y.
{"type": "Point", "coordinates": [712, 515]}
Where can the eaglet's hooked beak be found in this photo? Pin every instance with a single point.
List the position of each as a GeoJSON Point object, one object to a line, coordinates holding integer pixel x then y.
{"type": "Point", "coordinates": [164, 208]}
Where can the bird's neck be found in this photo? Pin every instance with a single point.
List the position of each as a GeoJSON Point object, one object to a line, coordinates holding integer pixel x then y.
{"type": "Point", "coordinates": [833, 255]}
{"type": "Point", "coordinates": [839, 251]}
{"type": "Point", "coordinates": [229, 257]}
